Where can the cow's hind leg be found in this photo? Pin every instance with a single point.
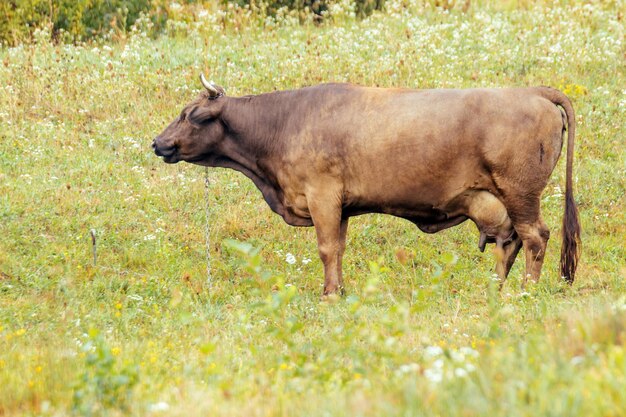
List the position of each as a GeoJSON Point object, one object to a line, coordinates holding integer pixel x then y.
{"type": "Point", "coordinates": [535, 238]}
{"type": "Point", "coordinates": [495, 226]}
{"type": "Point", "coordinates": [506, 257]}
{"type": "Point", "coordinates": [531, 229]}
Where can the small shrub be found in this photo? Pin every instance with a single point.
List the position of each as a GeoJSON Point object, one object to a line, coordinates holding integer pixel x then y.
{"type": "Point", "coordinates": [362, 8]}
{"type": "Point", "coordinates": [73, 20]}
{"type": "Point", "coordinates": [78, 20]}
{"type": "Point", "coordinates": [105, 384]}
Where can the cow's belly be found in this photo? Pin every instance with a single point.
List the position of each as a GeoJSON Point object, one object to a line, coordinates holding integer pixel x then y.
{"type": "Point", "coordinates": [413, 193]}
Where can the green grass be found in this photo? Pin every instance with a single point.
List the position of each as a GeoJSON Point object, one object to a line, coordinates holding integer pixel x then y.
{"type": "Point", "coordinates": [422, 330]}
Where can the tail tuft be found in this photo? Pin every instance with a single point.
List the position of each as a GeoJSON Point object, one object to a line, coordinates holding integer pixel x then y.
{"type": "Point", "coordinates": [570, 247]}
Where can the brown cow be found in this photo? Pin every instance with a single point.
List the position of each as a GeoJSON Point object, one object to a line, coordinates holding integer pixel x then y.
{"type": "Point", "coordinates": [322, 154]}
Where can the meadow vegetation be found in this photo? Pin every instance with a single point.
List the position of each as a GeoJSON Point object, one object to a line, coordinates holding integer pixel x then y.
{"type": "Point", "coordinates": [423, 329]}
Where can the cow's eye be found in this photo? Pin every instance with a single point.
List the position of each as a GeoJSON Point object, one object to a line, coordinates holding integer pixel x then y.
{"type": "Point", "coordinates": [201, 115]}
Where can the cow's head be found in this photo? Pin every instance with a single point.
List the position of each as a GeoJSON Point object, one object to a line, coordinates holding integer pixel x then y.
{"type": "Point", "coordinates": [193, 135]}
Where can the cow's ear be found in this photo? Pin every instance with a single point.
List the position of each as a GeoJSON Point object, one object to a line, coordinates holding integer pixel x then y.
{"type": "Point", "coordinates": [201, 114]}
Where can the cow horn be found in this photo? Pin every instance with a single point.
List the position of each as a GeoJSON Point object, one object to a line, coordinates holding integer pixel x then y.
{"type": "Point", "coordinates": [209, 86]}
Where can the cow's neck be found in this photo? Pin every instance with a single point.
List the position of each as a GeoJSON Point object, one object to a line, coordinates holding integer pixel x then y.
{"type": "Point", "coordinates": [253, 136]}
{"type": "Point", "coordinates": [257, 123]}
{"type": "Point", "coordinates": [253, 132]}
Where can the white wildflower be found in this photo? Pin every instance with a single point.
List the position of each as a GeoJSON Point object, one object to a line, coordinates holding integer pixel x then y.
{"type": "Point", "coordinates": [468, 351]}
{"type": "Point", "coordinates": [290, 259]}
{"type": "Point", "coordinates": [160, 406]}
{"type": "Point", "coordinates": [409, 368]}
{"type": "Point", "coordinates": [434, 375]}
{"type": "Point", "coordinates": [577, 360]}
{"type": "Point", "coordinates": [433, 351]}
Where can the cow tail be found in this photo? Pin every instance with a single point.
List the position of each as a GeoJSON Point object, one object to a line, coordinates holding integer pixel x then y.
{"type": "Point", "coordinates": [570, 249]}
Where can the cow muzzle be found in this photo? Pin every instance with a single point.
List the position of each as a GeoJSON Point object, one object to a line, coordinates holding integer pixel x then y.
{"type": "Point", "coordinates": [169, 153]}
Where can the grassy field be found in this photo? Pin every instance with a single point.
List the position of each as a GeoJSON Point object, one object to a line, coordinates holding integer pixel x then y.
{"type": "Point", "coordinates": [422, 331]}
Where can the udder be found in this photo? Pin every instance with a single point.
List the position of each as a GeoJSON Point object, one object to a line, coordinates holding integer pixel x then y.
{"type": "Point", "coordinates": [491, 218]}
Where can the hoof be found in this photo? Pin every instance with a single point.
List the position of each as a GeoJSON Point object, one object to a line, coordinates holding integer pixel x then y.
{"type": "Point", "coordinates": [330, 294]}
{"type": "Point", "coordinates": [330, 298]}
{"type": "Point", "coordinates": [528, 279]}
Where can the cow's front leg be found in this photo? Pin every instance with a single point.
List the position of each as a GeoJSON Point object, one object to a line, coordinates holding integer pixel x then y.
{"type": "Point", "coordinates": [331, 235]}
{"type": "Point", "coordinates": [343, 232]}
